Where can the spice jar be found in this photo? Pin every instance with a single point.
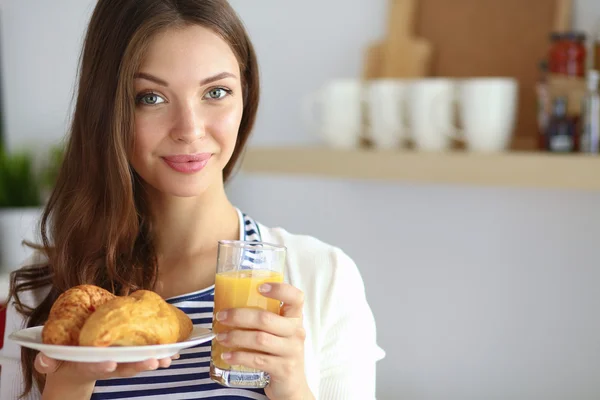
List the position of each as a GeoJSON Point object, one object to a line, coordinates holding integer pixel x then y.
{"type": "Point", "coordinates": [567, 55]}
{"type": "Point", "coordinates": [555, 56]}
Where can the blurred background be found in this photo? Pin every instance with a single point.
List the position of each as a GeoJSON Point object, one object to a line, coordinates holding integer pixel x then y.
{"type": "Point", "coordinates": [448, 146]}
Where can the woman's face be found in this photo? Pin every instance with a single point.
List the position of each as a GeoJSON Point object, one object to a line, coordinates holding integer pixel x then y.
{"type": "Point", "coordinates": [188, 111]}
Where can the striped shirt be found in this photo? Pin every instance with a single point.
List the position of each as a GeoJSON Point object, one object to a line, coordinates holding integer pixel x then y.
{"type": "Point", "coordinates": [187, 377]}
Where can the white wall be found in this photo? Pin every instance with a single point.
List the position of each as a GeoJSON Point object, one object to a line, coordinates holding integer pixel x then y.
{"type": "Point", "coordinates": [586, 15]}
{"type": "Point", "coordinates": [478, 293]}
{"type": "Point", "coordinates": [40, 43]}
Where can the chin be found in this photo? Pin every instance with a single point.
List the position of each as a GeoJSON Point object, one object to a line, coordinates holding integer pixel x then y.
{"type": "Point", "coordinates": [183, 190]}
{"type": "Point", "coordinates": [183, 193]}
{"type": "Point", "coordinates": [189, 186]}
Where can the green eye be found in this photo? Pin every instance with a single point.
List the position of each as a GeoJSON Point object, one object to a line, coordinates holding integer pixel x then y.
{"type": "Point", "coordinates": [217, 93]}
{"type": "Point", "coordinates": [150, 99]}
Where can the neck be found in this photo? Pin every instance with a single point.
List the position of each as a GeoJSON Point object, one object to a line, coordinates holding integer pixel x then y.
{"type": "Point", "coordinates": [192, 226]}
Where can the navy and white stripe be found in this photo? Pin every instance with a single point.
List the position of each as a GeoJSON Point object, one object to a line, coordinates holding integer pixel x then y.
{"type": "Point", "coordinates": [188, 377]}
{"type": "Point", "coordinates": [252, 235]}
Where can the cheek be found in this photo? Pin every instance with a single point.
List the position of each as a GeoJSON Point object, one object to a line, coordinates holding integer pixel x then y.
{"type": "Point", "coordinates": [225, 126]}
{"type": "Point", "coordinates": [149, 131]}
{"type": "Point", "coordinates": [146, 139]}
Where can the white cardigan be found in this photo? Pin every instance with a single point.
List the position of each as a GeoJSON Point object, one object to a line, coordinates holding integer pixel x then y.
{"type": "Point", "coordinates": [340, 349]}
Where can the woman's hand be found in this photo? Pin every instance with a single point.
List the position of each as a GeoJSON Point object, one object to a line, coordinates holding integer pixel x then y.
{"type": "Point", "coordinates": [276, 342]}
{"type": "Point", "coordinates": [68, 380]}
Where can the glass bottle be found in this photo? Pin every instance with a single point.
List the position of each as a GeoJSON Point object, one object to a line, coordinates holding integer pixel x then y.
{"type": "Point", "coordinates": [543, 103]}
{"type": "Point", "coordinates": [590, 116]}
{"type": "Point", "coordinates": [560, 135]}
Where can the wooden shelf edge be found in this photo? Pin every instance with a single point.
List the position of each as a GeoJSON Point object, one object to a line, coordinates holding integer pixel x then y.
{"type": "Point", "coordinates": [514, 169]}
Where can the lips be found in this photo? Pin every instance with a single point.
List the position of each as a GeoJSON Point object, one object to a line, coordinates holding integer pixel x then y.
{"type": "Point", "coordinates": [184, 158]}
{"type": "Point", "coordinates": [188, 163]}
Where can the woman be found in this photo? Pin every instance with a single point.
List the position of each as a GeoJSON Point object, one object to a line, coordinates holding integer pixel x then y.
{"type": "Point", "coordinates": [168, 94]}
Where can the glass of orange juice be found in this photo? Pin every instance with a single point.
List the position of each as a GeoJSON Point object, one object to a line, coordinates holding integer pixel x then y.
{"type": "Point", "coordinates": [241, 268]}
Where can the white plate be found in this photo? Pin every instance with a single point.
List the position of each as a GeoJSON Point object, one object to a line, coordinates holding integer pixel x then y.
{"type": "Point", "coordinates": [32, 338]}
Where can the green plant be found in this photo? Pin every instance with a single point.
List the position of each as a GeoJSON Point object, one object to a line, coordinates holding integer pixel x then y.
{"type": "Point", "coordinates": [50, 172]}
{"type": "Point", "coordinates": [19, 186]}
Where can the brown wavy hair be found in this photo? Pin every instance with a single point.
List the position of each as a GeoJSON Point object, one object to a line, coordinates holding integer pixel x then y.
{"type": "Point", "coordinates": [95, 228]}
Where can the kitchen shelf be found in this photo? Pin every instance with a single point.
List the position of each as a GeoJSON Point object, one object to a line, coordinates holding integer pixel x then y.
{"type": "Point", "coordinates": [511, 169]}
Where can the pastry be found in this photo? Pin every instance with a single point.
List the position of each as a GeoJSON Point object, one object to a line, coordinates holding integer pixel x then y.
{"type": "Point", "coordinates": [142, 318]}
{"type": "Point", "coordinates": [69, 313]}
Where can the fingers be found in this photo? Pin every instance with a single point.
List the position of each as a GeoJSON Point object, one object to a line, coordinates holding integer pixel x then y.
{"type": "Point", "coordinates": [253, 319]}
{"type": "Point", "coordinates": [95, 369]}
{"type": "Point", "coordinates": [164, 362]}
{"type": "Point", "coordinates": [129, 370]}
{"type": "Point", "coordinates": [45, 365]}
{"type": "Point", "coordinates": [102, 370]}
{"type": "Point", "coordinates": [260, 341]}
{"type": "Point", "coordinates": [292, 298]}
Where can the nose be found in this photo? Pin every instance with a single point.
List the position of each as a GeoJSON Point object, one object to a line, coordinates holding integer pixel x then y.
{"type": "Point", "coordinates": [189, 125]}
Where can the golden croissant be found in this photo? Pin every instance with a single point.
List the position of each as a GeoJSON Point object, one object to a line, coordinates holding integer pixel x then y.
{"type": "Point", "coordinates": [142, 318]}
{"type": "Point", "coordinates": [88, 315]}
{"type": "Point", "coordinates": [69, 313]}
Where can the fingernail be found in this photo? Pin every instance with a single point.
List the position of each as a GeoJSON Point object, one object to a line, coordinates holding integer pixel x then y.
{"type": "Point", "coordinates": [221, 315]}
{"type": "Point", "coordinates": [221, 337]}
{"type": "Point", "coordinates": [43, 362]}
{"type": "Point", "coordinates": [226, 356]}
{"type": "Point", "coordinates": [111, 368]}
{"type": "Point", "coordinates": [176, 357]}
{"type": "Point", "coordinates": [264, 288]}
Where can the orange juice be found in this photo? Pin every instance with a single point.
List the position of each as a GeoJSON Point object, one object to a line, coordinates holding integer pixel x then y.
{"type": "Point", "coordinates": [239, 289]}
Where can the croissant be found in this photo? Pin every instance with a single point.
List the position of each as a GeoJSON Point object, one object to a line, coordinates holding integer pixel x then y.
{"type": "Point", "coordinates": [69, 313]}
{"type": "Point", "coordinates": [142, 318]}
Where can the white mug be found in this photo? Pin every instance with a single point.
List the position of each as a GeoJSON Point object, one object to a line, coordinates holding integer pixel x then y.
{"type": "Point", "coordinates": [431, 113]}
{"type": "Point", "coordinates": [385, 106]}
{"type": "Point", "coordinates": [335, 112]}
{"type": "Point", "coordinates": [488, 108]}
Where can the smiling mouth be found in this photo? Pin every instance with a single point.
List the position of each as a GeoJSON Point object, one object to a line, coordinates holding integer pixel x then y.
{"type": "Point", "coordinates": [188, 164]}
{"type": "Point", "coordinates": [183, 158]}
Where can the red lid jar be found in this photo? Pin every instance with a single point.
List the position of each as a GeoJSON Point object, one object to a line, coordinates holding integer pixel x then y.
{"type": "Point", "coordinates": [567, 55]}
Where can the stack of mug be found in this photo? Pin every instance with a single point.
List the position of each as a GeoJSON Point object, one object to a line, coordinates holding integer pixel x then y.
{"type": "Point", "coordinates": [424, 113]}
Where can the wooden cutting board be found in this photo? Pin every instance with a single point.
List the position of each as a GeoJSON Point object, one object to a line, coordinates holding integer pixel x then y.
{"type": "Point", "coordinates": [373, 61]}
{"type": "Point", "coordinates": [401, 18]}
{"type": "Point", "coordinates": [400, 54]}
{"type": "Point", "coordinates": [416, 62]}
{"type": "Point", "coordinates": [404, 56]}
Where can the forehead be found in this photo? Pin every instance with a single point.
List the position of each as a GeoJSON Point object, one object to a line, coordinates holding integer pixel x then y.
{"type": "Point", "coordinates": [191, 51]}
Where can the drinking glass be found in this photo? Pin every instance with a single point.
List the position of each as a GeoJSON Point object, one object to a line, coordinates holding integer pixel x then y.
{"type": "Point", "coordinates": [241, 268]}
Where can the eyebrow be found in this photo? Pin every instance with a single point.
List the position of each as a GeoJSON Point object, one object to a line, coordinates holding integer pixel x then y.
{"type": "Point", "coordinates": [152, 78]}
{"type": "Point", "coordinates": [217, 77]}
{"type": "Point", "coordinates": [206, 81]}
